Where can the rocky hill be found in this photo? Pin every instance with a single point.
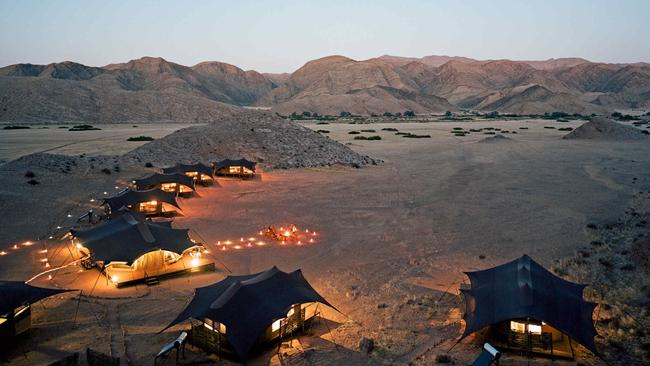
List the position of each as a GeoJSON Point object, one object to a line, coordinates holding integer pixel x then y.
{"type": "Point", "coordinates": [155, 90]}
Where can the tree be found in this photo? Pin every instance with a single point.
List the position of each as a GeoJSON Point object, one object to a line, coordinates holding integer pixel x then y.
{"type": "Point", "coordinates": [388, 114]}
{"type": "Point", "coordinates": [448, 114]}
{"type": "Point", "coordinates": [306, 114]}
{"type": "Point", "coordinates": [409, 114]}
{"type": "Point", "coordinates": [345, 114]}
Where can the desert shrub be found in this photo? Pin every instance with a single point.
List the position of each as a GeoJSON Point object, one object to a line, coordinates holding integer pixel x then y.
{"type": "Point", "coordinates": [368, 131]}
{"type": "Point", "coordinates": [63, 126]}
{"type": "Point", "coordinates": [106, 171]}
{"type": "Point", "coordinates": [354, 133]}
{"type": "Point", "coordinates": [148, 165]}
{"type": "Point", "coordinates": [15, 127]}
{"type": "Point", "coordinates": [475, 130]}
{"type": "Point", "coordinates": [459, 134]}
{"type": "Point", "coordinates": [596, 243]}
{"type": "Point", "coordinates": [565, 129]}
{"type": "Point", "coordinates": [414, 136]}
{"type": "Point", "coordinates": [134, 126]}
{"type": "Point", "coordinates": [345, 114]}
{"type": "Point", "coordinates": [322, 131]}
{"type": "Point", "coordinates": [322, 123]}
{"type": "Point", "coordinates": [389, 129]}
{"type": "Point", "coordinates": [83, 128]}
{"type": "Point", "coordinates": [489, 133]}
{"type": "Point", "coordinates": [549, 127]}
{"type": "Point", "coordinates": [515, 132]}
{"type": "Point", "coordinates": [140, 138]}
{"type": "Point", "coordinates": [627, 267]}
{"type": "Point", "coordinates": [482, 256]}
{"type": "Point", "coordinates": [388, 114]}
{"type": "Point", "coordinates": [369, 138]}
{"type": "Point", "coordinates": [457, 128]}
{"type": "Point", "coordinates": [448, 114]}
{"type": "Point", "coordinates": [605, 263]}
{"type": "Point", "coordinates": [591, 226]}
{"type": "Point", "coordinates": [116, 169]}
{"type": "Point", "coordinates": [409, 114]}
{"type": "Point", "coordinates": [33, 182]}
{"type": "Point", "coordinates": [29, 174]}
{"type": "Point", "coordinates": [523, 128]}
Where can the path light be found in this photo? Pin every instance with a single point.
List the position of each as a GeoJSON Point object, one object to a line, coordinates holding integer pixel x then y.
{"type": "Point", "coordinates": [3, 253]}
{"type": "Point", "coordinates": [237, 246]}
{"type": "Point", "coordinates": [43, 251]}
{"type": "Point", "coordinates": [69, 215]}
{"type": "Point", "coordinates": [92, 200]}
{"type": "Point", "coordinates": [47, 265]}
{"type": "Point", "coordinates": [249, 244]}
{"type": "Point", "coordinates": [27, 243]}
{"type": "Point", "coordinates": [299, 242]}
{"type": "Point", "coordinates": [114, 279]}
{"type": "Point", "coordinates": [251, 239]}
{"type": "Point", "coordinates": [49, 277]}
{"type": "Point", "coordinates": [223, 247]}
{"type": "Point", "coordinates": [105, 193]}
{"type": "Point", "coordinates": [241, 239]}
{"type": "Point", "coordinates": [116, 187]}
{"type": "Point", "coordinates": [311, 240]}
{"type": "Point", "coordinates": [50, 237]}
{"type": "Point", "coordinates": [260, 243]}
{"type": "Point", "coordinates": [43, 260]}
{"type": "Point", "coordinates": [15, 247]}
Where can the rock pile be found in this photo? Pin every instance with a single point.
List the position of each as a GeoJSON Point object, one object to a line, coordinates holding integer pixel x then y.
{"type": "Point", "coordinates": [605, 129]}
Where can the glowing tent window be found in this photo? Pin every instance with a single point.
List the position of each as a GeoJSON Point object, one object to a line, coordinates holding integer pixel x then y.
{"type": "Point", "coordinates": [276, 325]}
{"type": "Point", "coordinates": [2, 319]}
{"type": "Point", "coordinates": [168, 187]}
{"type": "Point", "coordinates": [150, 206]}
{"type": "Point", "coordinates": [233, 170]}
{"type": "Point", "coordinates": [520, 327]}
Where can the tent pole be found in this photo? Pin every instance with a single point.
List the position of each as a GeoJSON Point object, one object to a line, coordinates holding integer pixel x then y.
{"type": "Point", "coordinates": [78, 303]}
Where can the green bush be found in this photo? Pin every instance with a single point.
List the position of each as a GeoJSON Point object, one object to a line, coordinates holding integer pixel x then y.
{"type": "Point", "coordinates": [140, 138]}
{"type": "Point", "coordinates": [368, 131]}
{"type": "Point", "coordinates": [389, 129]}
{"type": "Point", "coordinates": [83, 128]}
{"type": "Point", "coordinates": [15, 127]}
{"type": "Point", "coordinates": [354, 133]}
{"type": "Point", "coordinates": [369, 138]}
{"type": "Point", "coordinates": [457, 128]}
{"type": "Point", "coordinates": [322, 131]}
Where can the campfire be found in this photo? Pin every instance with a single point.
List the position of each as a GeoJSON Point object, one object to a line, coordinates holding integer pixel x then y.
{"type": "Point", "coordinates": [283, 235]}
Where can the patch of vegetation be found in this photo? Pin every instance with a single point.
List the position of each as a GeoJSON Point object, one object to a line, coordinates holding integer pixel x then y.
{"type": "Point", "coordinates": [29, 174]}
{"type": "Point", "coordinates": [414, 136]}
{"type": "Point", "coordinates": [322, 123]}
{"type": "Point", "coordinates": [140, 138]}
{"type": "Point", "coordinates": [15, 127]}
{"type": "Point", "coordinates": [549, 127]}
{"type": "Point", "coordinates": [369, 138]}
{"type": "Point", "coordinates": [106, 171]}
{"type": "Point", "coordinates": [457, 128]}
{"type": "Point", "coordinates": [33, 182]}
{"type": "Point", "coordinates": [368, 131]}
{"type": "Point", "coordinates": [489, 133]}
{"type": "Point", "coordinates": [148, 165]}
{"type": "Point", "coordinates": [565, 129]}
{"type": "Point", "coordinates": [84, 128]}
{"type": "Point", "coordinates": [322, 131]}
{"type": "Point", "coordinates": [354, 133]}
{"type": "Point", "coordinates": [409, 114]}
{"type": "Point", "coordinates": [389, 129]}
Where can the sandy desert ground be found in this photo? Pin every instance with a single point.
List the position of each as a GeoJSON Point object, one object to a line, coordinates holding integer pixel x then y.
{"type": "Point", "coordinates": [56, 139]}
{"type": "Point", "coordinates": [393, 241]}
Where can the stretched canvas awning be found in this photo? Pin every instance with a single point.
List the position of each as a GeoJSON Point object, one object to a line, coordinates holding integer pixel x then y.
{"type": "Point", "coordinates": [14, 294]}
{"type": "Point", "coordinates": [523, 289]}
{"type": "Point", "coordinates": [130, 197]}
{"type": "Point", "coordinates": [127, 237]}
{"type": "Point", "coordinates": [249, 304]}
{"type": "Point", "coordinates": [241, 162]}
{"type": "Point", "coordinates": [184, 168]}
{"type": "Point", "coordinates": [157, 178]}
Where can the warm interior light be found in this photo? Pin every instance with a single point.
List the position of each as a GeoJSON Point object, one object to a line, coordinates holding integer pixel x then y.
{"type": "Point", "coordinates": [114, 279]}
{"type": "Point", "coordinates": [535, 329]}
{"type": "Point", "coordinates": [3, 253]}
{"type": "Point", "coordinates": [79, 246]}
{"type": "Point", "coordinates": [276, 325]}
{"type": "Point", "coordinates": [28, 243]}
{"type": "Point", "coordinates": [194, 262]}
{"type": "Point", "coordinates": [517, 327]}
{"type": "Point", "coordinates": [47, 265]}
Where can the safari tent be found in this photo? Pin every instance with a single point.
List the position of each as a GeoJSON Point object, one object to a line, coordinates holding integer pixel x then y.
{"type": "Point", "coordinates": [16, 298]}
{"type": "Point", "coordinates": [240, 312]}
{"type": "Point", "coordinates": [177, 183]}
{"type": "Point", "coordinates": [522, 306]}
{"type": "Point", "coordinates": [201, 173]}
{"type": "Point", "coordinates": [152, 202]}
{"type": "Point", "coordinates": [129, 249]}
{"type": "Point", "coordinates": [236, 168]}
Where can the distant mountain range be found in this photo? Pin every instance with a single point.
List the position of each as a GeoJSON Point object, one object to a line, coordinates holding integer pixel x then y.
{"type": "Point", "coordinates": [155, 90]}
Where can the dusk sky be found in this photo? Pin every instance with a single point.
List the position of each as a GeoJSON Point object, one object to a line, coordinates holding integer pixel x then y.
{"type": "Point", "coordinates": [280, 36]}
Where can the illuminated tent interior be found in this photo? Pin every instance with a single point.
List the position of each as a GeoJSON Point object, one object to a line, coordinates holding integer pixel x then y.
{"type": "Point", "coordinates": [522, 306]}
{"type": "Point", "coordinates": [200, 172]}
{"type": "Point", "coordinates": [131, 249]}
{"type": "Point", "coordinates": [149, 202]}
{"type": "Point", "coordinates": [241, 167]}
{"type": "Point", "coordinates": [176, 183]}
{"type": "Point", "coordinates": [16, 298]}
{"type": "Point", "coordinates": [239, 312]}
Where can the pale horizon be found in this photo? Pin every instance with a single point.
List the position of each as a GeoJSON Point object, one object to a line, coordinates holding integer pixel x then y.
{"type": "Point", "coordinates": [280, 37]}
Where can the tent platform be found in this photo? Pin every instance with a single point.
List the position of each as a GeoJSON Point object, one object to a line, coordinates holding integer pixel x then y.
{"type": "Point", "coordinates": [186, 271]}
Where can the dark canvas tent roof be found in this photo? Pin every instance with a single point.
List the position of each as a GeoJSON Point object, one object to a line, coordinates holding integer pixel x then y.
{"type": "Point", "coordinates": [127, 237]}
{"type": "Point", "coordinates": [247, 305]}
{"type": "Point", "coordinates": [184, 168]}
{"type": "Point", "coordinates": [524, 289]}
{"type": "Point", "coordinates": [130, 197]}
{"type": "Point", "coordinates": [157, 178]}
{"type": "Point", "coordinates": [230, 162]}
{"type": "Point", "coordinates": [16, 293]}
